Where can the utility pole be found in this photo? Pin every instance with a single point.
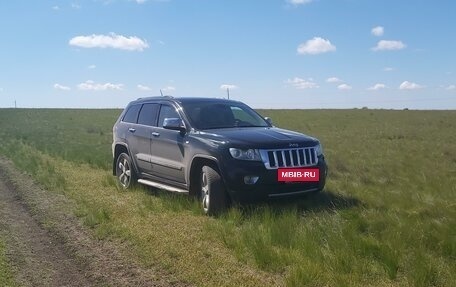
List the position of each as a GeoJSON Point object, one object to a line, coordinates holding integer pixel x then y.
{"type": "Point", "coordinates": [228, 92]}
{"type": "Point", "coordinates": [15, 105]}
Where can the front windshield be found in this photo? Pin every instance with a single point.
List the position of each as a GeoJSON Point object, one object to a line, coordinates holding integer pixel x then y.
{"type": "Point", "coordinates": [215, 115]}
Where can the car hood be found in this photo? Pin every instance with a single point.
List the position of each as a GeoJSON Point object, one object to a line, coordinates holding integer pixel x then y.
{"type": "Point", "coordinates": [261, 137]}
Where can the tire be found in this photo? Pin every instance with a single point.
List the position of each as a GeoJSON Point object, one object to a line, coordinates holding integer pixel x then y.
{"type": "Point", "coordinates": [213, 195]}
{"type": "Point", "coordinates": [125, 172]}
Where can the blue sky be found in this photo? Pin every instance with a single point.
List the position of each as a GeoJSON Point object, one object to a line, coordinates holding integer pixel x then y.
{"type": "Point", "coordinates": [271, 54]}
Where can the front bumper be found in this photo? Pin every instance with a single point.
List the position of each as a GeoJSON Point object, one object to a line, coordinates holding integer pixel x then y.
{"type": "Point", "coordinates": [267, 185]}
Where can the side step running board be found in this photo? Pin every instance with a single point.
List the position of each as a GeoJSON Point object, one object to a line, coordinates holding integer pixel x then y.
{"type": "Point", "coordinates": [162, 186]}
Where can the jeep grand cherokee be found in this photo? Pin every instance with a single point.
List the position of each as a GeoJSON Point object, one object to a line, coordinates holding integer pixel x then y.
{"type": "Point", "coordinates": [216, 149]}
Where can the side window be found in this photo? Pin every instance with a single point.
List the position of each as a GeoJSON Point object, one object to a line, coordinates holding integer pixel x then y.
{"type": "Point", "coordinates": [167, 112]}
{"type": "Point", "coordinates": [132, 114]}
{"type": "Point", "coordinates": [148, 114]}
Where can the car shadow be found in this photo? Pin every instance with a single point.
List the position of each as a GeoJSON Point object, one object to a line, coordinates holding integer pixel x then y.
{"type": "Point", "coordinates": [324, 201]}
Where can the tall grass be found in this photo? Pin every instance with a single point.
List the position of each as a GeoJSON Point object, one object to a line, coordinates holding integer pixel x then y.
{"type": "Point", "coordinates": [387, 217]}
{"type": "Point", "coordinates": [77, 135]}
{"type": "Point", "coordinates": [6, 277]}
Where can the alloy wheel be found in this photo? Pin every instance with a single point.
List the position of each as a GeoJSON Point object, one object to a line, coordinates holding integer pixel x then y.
{"type": "Point", "coordinates": [124, 172]}
{"type": "Point", "coordinates": [205, 192]}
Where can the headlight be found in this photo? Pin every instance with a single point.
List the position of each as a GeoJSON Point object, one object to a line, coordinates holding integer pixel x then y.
{"type": "Point", "coordinates": [245, 154]}
{"type": "Point", "coordinates": [319, 149]}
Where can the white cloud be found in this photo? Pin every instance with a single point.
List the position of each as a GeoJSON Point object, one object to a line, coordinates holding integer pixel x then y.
{"type": "Point", "coordinates": [378, 31]}
{"type": "Point", "coordinates": [61, 87]}
{"type": "Point", "coordinates": [388, 45]}
{"type": "Point", "coordinates": [55, 8]}
{"type": "Point", "coordinates": [451, 87]}
{"type": "Point", "coordinates": [406, 85]}
{"type": "Point", "coordinates": [377, 87]}
{"type": "Point", "coordinates": [344, 87]}
{"type": "Point", "coordinates": [143, 88]}
{"type": "Point", "coordinates": [168, 89]}
{"type": "Point", "coordinates": [315, 46]}
{"type": "Point", "coordinates": [144, 1]}
{"type": "Point", "coordinates": [112, 40]}
{"type": "Point", "coordinates": [75, 6]}
{"type": "Point", "coordinates": [300, 83]}
{"type": "Point", "coordinates": [92, 86]}
{"type": "Point", "coordinates": [91, 67]}
{"type": "Point", "coordinates": [228, 86]}
{"type": "Point", "coordinates": [333, 80]}
{"type": "Point", "coordinates": [299, 2]}
{"type": "Point", "coordinates": [1, 90]}
{"type": "Point", "coordinates": [388, 69]}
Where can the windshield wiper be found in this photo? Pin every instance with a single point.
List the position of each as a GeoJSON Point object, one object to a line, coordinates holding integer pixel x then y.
{"type": "Point", "coordinates": [232, 127]}
{"type": "Point", "coordinates": [252, 126]}
{"type": "Point", "coordinates": [214, 128]}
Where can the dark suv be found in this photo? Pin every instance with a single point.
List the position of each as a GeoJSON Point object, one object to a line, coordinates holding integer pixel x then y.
{"type": "Point", "coordinates": [217, 149]}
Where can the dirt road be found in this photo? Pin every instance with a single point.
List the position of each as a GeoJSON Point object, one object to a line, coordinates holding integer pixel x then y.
{"type": "Point", "coordinates": [47, 246]}
{"type": "Point", "coordinates": [38, 258]}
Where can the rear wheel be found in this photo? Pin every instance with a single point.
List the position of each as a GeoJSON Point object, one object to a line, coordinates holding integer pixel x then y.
{"type": "Point", "coordinates": [213, 194]}
{"type": "Point", "coordinates": [125, 173]}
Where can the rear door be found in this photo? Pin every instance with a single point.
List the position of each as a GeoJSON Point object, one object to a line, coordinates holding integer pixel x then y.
{"type": "Point", "coordinates": [168, 148]}
{"type": "Point", "coordinates": [141, 137]}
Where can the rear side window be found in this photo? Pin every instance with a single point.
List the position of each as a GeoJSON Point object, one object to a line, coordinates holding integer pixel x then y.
{"type": "Point", "coordinates": [148, 114]}
{"type": "Point", "coordinates": [132, 114]}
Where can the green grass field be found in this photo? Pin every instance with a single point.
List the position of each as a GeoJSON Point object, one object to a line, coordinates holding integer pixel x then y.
{"type": "Point", "coordinates": [387, 216]}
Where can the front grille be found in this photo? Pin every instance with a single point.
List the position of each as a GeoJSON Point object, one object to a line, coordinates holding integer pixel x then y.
{"type": "Point", "coordinates": [297, 157]}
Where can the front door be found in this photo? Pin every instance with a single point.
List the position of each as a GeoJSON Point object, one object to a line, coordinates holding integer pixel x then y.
{"type": "Point", "coordinates": [167, 148]}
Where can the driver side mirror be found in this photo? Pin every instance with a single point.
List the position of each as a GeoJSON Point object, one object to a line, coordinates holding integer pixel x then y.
{"type": "Point", "coordinates": [175, 124]}
{"type": "Point", "coordinates": [269, 120]}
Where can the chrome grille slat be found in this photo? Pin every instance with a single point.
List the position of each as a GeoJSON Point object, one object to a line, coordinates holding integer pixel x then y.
{"type": "Point", "coordinates": [301, 157]}
{"type": "Point", "coordinates": [276, 162]}
{"type": "Point", "coordinates": [284, 157]}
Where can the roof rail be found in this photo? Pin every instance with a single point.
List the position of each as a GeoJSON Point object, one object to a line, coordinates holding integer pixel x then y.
{"type": "Point", "coordinates": [156, 97]}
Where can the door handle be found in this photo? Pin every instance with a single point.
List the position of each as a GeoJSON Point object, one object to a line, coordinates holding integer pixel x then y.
{"type": "Point", "coordinates": [155, 134]}
{"type": "Point", "coordinates": [132, 130]}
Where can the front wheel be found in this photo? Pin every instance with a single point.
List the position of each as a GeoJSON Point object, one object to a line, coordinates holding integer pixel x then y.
{"type": "Point", "coordinates": [125, 173]}
{"type": "Point", "coordinates": [213, 194]}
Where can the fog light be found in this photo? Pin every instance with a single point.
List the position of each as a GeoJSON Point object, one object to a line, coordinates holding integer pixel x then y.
{"type": "Point", "coordinates": [250, 179]}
